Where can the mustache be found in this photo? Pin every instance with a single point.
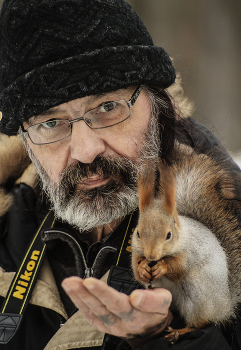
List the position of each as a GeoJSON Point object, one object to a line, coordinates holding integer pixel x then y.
{"type": "Point", "coordinates": [121, 171]}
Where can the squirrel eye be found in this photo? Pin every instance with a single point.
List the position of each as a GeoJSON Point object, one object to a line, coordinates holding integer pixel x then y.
{"type": "Point", "coordinates": [169, 235]}
{"type": "Point", "coordinates": [137, 233]}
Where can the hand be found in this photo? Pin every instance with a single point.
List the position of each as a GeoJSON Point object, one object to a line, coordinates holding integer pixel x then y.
{"type": "Point", "coordinates": [137, 318]}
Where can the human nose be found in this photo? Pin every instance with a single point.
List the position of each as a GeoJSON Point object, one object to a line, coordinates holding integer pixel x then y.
{"type": "Point", "coordinates": [86, 143]}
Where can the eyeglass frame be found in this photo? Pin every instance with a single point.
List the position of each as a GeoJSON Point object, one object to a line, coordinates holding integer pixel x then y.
{"type": "Point", "coordinates": [129, 103]}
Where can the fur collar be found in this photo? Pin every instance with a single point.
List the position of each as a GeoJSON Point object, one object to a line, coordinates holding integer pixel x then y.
{"type": "Point", "coordinates": [15, 167]}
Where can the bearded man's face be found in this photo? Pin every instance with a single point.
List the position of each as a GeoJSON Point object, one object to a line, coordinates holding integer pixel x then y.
{"type": "Point", "coordinates": [91, 193]}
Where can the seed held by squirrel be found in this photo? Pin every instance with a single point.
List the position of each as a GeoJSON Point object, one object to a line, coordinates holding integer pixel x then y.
{"type": "Point", "coordinates": [186, 250]}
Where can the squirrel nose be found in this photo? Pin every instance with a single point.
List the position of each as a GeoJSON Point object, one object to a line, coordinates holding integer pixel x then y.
{"type": "Point", "coordinates": [152, 257]}
{"type": "Point", "coordinates": [152, 254]}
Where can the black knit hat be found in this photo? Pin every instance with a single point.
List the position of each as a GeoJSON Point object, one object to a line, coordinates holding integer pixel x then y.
{"type": "Point", "coordinates": [54, 51]}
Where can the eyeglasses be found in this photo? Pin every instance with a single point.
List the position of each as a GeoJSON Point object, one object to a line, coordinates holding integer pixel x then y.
{"type": "Point", "coordinates": [104, 116]}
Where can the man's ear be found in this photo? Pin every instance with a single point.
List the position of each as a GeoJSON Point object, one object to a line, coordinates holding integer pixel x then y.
{"type": "Point", "coordinates": [146, 186]}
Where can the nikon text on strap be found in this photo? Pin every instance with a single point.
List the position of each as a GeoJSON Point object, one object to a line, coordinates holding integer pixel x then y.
{"type": "Point", "coordinates": [20, 290]}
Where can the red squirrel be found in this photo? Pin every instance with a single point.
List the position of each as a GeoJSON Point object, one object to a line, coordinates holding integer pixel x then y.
{"type": "Point", "coordinates": [185, 240]}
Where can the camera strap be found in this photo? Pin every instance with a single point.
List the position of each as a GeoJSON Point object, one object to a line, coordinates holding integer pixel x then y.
{"type": "Point", "coordinates": [20, 290]}
{"type": "Point", "coordinates": [122, 278]}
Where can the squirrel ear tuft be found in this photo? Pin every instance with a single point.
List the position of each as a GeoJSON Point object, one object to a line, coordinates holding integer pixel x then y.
{"type": "Point", "coordinates": [146, 186]}
{"type": "Point", "coordinates": [168, 184]}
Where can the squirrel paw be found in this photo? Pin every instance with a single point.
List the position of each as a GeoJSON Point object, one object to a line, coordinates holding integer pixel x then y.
{"type": "Point", "coordinates": [144, 271]}
{"type": "Point", "coordinates": [159, 269]}
{"type": "Point", "coordinates": [173, 335]}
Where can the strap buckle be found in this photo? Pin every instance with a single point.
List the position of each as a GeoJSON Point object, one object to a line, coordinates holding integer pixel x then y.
{"type": "Point", "coordinates": [122, 280]}
{"type": "Point", "coordinates": [9, 324]}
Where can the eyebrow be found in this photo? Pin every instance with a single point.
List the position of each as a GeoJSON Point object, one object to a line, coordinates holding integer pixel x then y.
{"type": "Point", "coordinates": [98, 96]}
{"type": "Point", "coordinates": [48, 112]}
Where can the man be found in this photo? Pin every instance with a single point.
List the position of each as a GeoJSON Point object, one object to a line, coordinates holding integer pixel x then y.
{"type": "Point", "coordinates": [83, 84]}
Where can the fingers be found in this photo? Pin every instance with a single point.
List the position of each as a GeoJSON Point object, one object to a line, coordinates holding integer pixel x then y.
{"type": "Point", "coordinates": [156, 300]}
{"type": "Point", "coordinates": [73, 286]}
{"type": "Point", "coordinates": [116, 313]}
{"type": "Point", "coordinates": [94, 294]}
{"type": "Point", "coordinates": [97, 296]}
{"type": "Point", "coordinates": [112, 299]}
{"type": "Point", "coordinates": [94, 311]}
{"type": "Point", "coordinates": [103, 306]}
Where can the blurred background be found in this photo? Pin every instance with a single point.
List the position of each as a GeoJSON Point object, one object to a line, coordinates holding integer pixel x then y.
{"type": "Point", "coordinates": [203, 38]}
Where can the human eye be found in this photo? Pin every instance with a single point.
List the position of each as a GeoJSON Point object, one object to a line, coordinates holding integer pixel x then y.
{"type": "Point", "coordinates": [107, 114]}
{"type": "Point", "coordinates": [108, 107]}
{"type": "Point", "coordinates": [52, 123]}
{"type": "Point", "coordinates": [51, 126]}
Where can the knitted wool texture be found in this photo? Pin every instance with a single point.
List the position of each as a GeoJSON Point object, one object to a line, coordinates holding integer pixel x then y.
{"type": "Point", "coordinates": [55, 51]}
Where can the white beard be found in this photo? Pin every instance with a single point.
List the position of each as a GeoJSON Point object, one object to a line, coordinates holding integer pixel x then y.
{"type": "Point", "coordinates": [84, 213]}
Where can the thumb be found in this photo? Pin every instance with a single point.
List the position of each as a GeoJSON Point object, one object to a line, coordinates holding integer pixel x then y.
{"type": "Point", "coordinates": [155, 300]}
